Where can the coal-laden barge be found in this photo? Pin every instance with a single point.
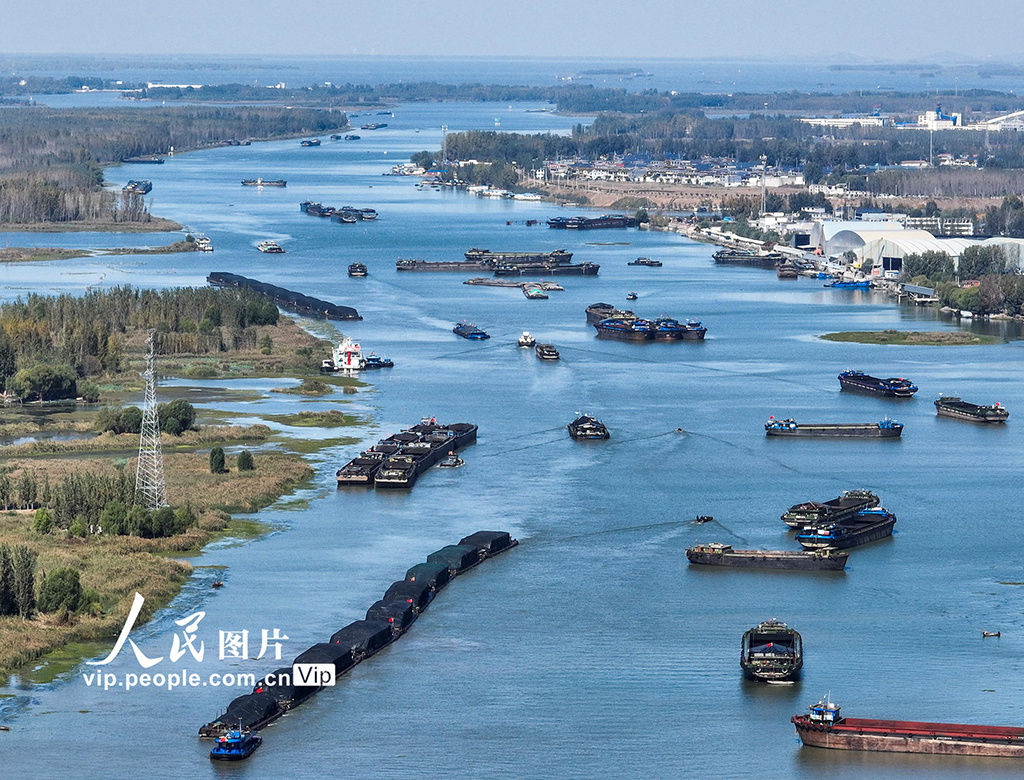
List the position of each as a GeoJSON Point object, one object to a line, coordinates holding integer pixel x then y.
{"type": "Point", "coordinates": [883, 429]}
{"type": "Point", "coordinates": [822, 726]}
{"type": "Point", "coordinates": [612, 323]}
{"type": "Point", "coordinates": [894, 387]}
{"type": "Point", "coordinates": [866, 526]}
{"type": "Point", "coordinates": [849, 503]}
{"type": "Point", "coordinates": [386, 620]}
{"type": "Point", "coordinates": [400, 459]}
{"type": "Point", "coordinates": [557, 263]}
{"type": "Point", "coordinates": [953, 406]}
{"type": "Point", "coordinates": [719, 554]}
{"type": "Point", "coordinates": [286, 299]}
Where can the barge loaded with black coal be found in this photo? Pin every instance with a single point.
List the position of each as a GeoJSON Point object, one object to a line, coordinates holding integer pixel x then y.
{"type": "Point", "coordinates": [286, 299]}
{"type": "Point", "coordinates": [557, 263]}
{"type": "Point", "coordinates": [612, 323]}
{"type": "Point", "coordinates": [386, 620]}
{"type": "Point", "coordinates": [718, 554]}
{"type": "Point", "coordinates": [868, 525]}
{"type": "Point", "coordinates": [400, 459]}
{"type": "Point", "coordinates": [883, 429]}
{"type": "Point", "coordinates": [846, 505]}
{"type": "Point", "coordinates": [953, 406]}
{"type": "Point", "coordinates": [772, 651]}
{"type": "Point", "coordinates": [894, 387]}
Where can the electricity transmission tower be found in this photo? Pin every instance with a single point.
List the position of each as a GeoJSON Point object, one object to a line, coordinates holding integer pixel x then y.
{"type": "Point", "coordinates": [149, 473]}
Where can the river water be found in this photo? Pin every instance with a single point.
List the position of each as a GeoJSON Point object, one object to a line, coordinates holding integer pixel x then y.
{"type": "Point", "coordinates": [592, 649]}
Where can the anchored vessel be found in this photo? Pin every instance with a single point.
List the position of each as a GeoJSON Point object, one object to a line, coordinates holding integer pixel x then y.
{"type": "Point", "coordinates": [138, 186]}
{"type": "Point", "coordinates": [469, 331]}
{"type": "Point", "coordinates": [822, 726]}
{"type": "Point", "coordinates": [718, 554]}
{"type": "Point", "coordinates": [547, 352]}
{"type": "Point", "coordinates": [741, 257]}
{"type": "Point", "coordinates": [868, 525]}
{"type": "Point", "coordinates": [593, 223]}
{"type": "Point", "coordinates": [772, 651]}
{"type": "Point", "coordinates": [883, 429]}
{"type": "Point", "coordinates": [846, 505]}
{"type": "Point", "coordinates": [624, 329]}
{"type": "Point", "coordinates": [850, 284]}
{"type": "Point", "coordinates": [952, 406]}
{"type": "Point", "coordinates": [357, 269]}
{"type": "Point", "coordinates": [378, 361]}
{"type": "Point", "coordinates": [587, 427]}
{"type": "Point", "coordinates": [310, 142]}
{"type": "Point", "coordinates": [603, 311]}
{"type": "Point", "coordinates": [787, 270]}
{"type": "Point", "coordinates": [347, 357]}
{"type": "Point", "coordinates": [865, 383]}
{"type": "Point", "coordinates": [286, 299]}
{"type": "Point", "coordinates": [264, 183]}
{"type": "Point", "coordinates": [646, 261]}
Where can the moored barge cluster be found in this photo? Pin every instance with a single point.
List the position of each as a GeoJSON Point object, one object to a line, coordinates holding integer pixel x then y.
{"type": "Point", "coordinates": [400, 459]}
{"type": "Point", "coordinates": [556, 263]}
{"type": "Point", "coordinates": [612, 323]}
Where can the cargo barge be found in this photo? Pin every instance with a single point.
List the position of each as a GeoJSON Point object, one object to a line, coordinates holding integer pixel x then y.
{"type": "Point", "coordinates": [138, 187]}
{"type": "Point", "coordinates": [622, 329]}
{"type": "Point", "coordinates": [401, 458]}
{"type": "Point", "coordinates": [625, 325]}
{"type": "Point", "coordinates": [386, 620]}
{"type": "Point", "coordinates": [840, 508]}
{"type": "Point", "coordinates": [593, 223]}
{"type": "Point", "coordinates": [893, 387]}
{"type": "Point", "coordinates": [558, 257]}
{"type": "Point", "coordinates": [286, 299]}
{"type": "Point", "coordinates": [866, 526]}
{"type": "Point", "coordinates": [264, 182]}
{"type": "Point", "coordinates": [771, 651]}
{"type": "Point", "coordinates": [822, 726]}
{"type": "Point", "coordinates": [547, 269]}
{"type": "Point", "coordinates": [740, 257]}
{"type": "Point", "coordinates": [952, 406]}
{"type": "Point", "coordinates": [603, 311]}
{"type": "Point", "coordinates": [718, 554]}
{"type": "Point", "coordinates": [587, 427]}
{"type": "Point", "coordinates": [469, 331]}
{"type": "Point", "coordinates": [883, 429]}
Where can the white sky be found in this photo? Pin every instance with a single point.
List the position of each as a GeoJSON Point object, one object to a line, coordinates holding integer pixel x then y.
{"type": "Point", "coordinates": [890, 30]}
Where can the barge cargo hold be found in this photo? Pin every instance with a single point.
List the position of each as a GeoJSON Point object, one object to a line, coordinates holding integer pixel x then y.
{"type": "Point", "coordinates": [740, 257]}
{"type": "Point", "coordinates": [867, 526]}
{"type": "Point", "coordinates": [593, 223]}
{"type": "Point", "coordinates": [596, 312]}
{"type": "Point", "coordinates": [286, 299]}
{"type": "Point", "coordinates": [278, 693]}
{"type": "Point", "coordinates": [771, 651]}
{"type": "Point", "coordinates": [717, 554]}
{"type": "Point", "coordinates": [953, 406]}
{"type": "Point", "coordinates": [845, 505]}
{"type": "Point", "coordinates": [883, 429]}
{"type": "Point", "coordinates": [398, 460]}
{"type": "Point", "coordinates": [823, 727]}
{"type": "Point", "coordinates": [622, 329]}
{"type": "Point", "coordinates": [587, 427]}
{"type": "Point", "coordinates": [894, 387]}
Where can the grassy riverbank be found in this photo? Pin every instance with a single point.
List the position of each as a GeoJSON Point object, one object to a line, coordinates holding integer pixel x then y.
{"type": "Point", "coordinates": [154, 225]}
{"type": "Point", "coordinates": [912, 337]}
{"type": "Point", "coordinates": [34, 254]}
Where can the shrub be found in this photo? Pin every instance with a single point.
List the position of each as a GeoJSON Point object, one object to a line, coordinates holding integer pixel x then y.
{"type": "Point", "coordinates": [61, 590]}
{"type": "Point", "coordinates": [217, 460]}
{"type": "Point", "coordinates": [245, 461]}
{"type": "Point", "coordinates": [200, 371]}
{"type": "Point", "coordinates": [88, 391]}
{"type": "Point", "coordinates": [42, 523]}
{"type": "Point", "coordinates": [47, 383]}
{"type": "Point", "coordinates": [79, 527]}
{"type": "Point", "coordinates": [113, 518]}
{"type": "Point", "coordinates": [176, 417]}
{"type": "Point", "coordinates": [126, 420]}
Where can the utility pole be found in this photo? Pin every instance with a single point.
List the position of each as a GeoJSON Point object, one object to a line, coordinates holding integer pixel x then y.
{"type": "Point", "coordinates": [931, 134]}
{"type": "Point", "coordinates": [764, 173]}
{"type": "Point", "coordinates": [150, 486]}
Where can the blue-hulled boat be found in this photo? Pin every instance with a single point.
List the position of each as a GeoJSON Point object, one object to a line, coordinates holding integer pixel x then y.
{"type": "Point", "coordinates": [468, 331]}
{"type": "Point", "coordinates": [668, 329]}
{"type": "Point", "coordinates": [893, 387]}
{"type": "Point", "coordinates": [236, 745]}
{"type": "Point", "coordinates": [694, 331]}
{"type": "Point", "coordinates": [868, 525]}
{"type": "Point", "coordinates": [378, 361]}
{"type": "Point", "coordinates": [625, 329]}
{"type": "Point", "coordinates": [841, 284]}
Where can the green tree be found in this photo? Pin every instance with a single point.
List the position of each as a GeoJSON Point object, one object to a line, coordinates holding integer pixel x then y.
{"type": "Point", "coordinates": [137, 521]}
{"type": "Point", "coordinates": [44, 382]}
{"type": "Point", "coordinates": [245, 461]}
{"type": "Point", "coordinates": [176, 417]}
{"type": "Point", "coordinates": [24, 565]}
{"type": "Point", "coordinates": [8, 606]}
{"type": "Point", "coordinates": [217, 460]}
{"type": "Point", "coordinates": [42, 523]}
{"type": "Point", "coordinates": [266, 344]}
{"type": "Point", "coordinates": [114, 517]}
{"type": "Point", "coordinates": [79, 526]}
{"type": "Point", "coordinates": [61, 590]}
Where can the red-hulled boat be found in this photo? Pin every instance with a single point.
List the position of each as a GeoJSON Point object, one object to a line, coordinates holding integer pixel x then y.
{"type": "Point", "coordinates": [823, 727]}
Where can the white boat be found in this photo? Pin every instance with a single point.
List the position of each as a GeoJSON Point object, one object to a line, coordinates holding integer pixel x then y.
{"type": "Point", "coordinates": [347, 357]}
{"type": "Point", "coordinates": [203, 244]}
{"type": "Point", "coordinates": [526, 196]}
{"type": "Point", "coordinates": [270, 247]}
{"type": "Point", "coordinates": [526, 340]}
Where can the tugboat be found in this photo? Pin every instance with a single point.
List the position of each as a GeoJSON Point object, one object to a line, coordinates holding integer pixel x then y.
{"type": "Point", "coordinates": [450, 461]}
{"type": "Point", "coordinates": [823, 727]}
{"type": "Point", "coordinates": [357, 269]}
{"type": "Point", "coordinates": [236, 745]}
{"type": "Point", "coordinates": [646, 261]}
{"type": "Point", "coordinates": [718, 554]}
{"type": "Point", "coordinates": [953, 406]}
{"type": "Point", "coordinates": [840, 508]}
{"type": "Point", "coordinates": [772, 651]}
{"type": "Point", "coordinates": [270, 247]}
{"type": "Point", "coordinates": [547, 352]}
{"type": "Point", "coordinates": [587, 427]}
{"type": "Point", "coordinates": [631, 296]}
{"type": "Point", "coordinates": [893, 387]}
{"type": "Point", "coordinates": [468, 331]}
{"type": "Point", "coordinates": [625, 329]}
{"type": "Point", "coordinates": [310, 142]}
{"type": "Point", "coordinates": [526, 340]}
{"type": "Point", "coordinates": [377, 361]}
{"type": "Point", "coordinates": [883, 429]}
{"type": "Point", "coordinates": [868, 525]}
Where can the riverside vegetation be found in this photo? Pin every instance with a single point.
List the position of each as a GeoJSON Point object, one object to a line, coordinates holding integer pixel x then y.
{"type": "Point", "coordinates": [81, 517]}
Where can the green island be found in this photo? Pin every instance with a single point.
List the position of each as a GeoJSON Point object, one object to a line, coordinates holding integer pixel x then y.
{"type": "Point", "coordinates": [20, 254]}
{"type": "Point", "coordinates": [920, 338]}
{"type": "Point", "coordinates": [75, 540]}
